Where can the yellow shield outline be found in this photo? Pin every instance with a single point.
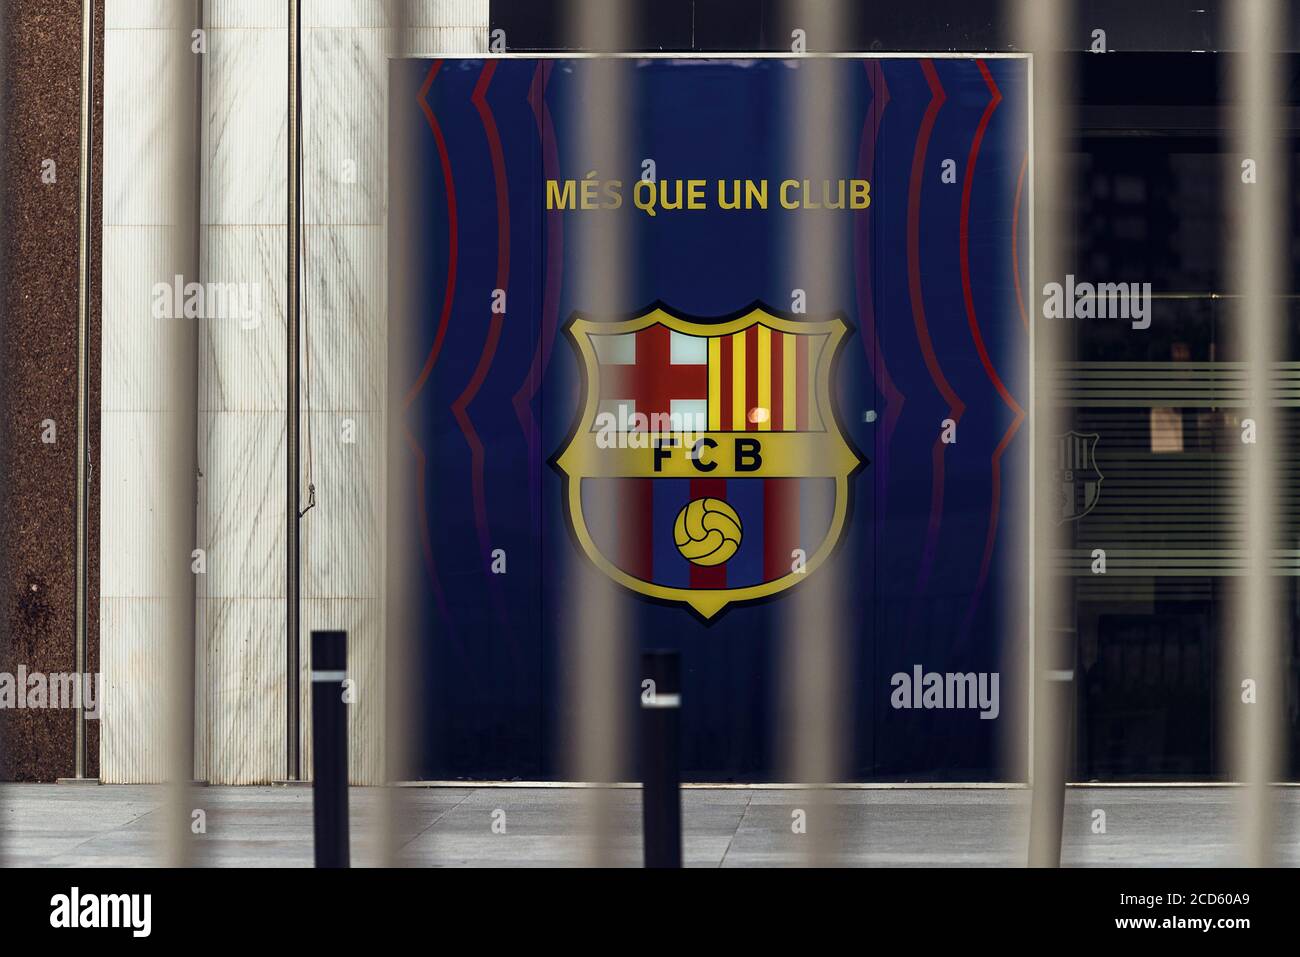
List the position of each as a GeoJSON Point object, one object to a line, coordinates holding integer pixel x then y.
{"type": "Point", "coordinates": [842, 458]}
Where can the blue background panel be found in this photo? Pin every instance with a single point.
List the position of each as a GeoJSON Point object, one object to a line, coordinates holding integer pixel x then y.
{"type": "Point", "coordinates": [937, 274]}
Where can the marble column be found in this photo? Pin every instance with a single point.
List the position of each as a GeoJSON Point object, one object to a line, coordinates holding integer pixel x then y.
{"type": "Point", "coordinates": [242, 396]}
{"type": "Point", "coordinates": [145, 241]}
{"type": "Point", "coordinates": [347, 44]}
{"type": "Point", "coordinates": [240, 678]}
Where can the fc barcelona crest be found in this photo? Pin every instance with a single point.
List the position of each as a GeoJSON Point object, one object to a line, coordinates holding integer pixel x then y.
{"type": "Point", "coordinates": [1077, 476]}
{"type": "Point", "coordinates": [706, 465]}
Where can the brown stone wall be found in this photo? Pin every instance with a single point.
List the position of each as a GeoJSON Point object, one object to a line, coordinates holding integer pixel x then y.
{"type": "Point", "coordinates": [38, 350]}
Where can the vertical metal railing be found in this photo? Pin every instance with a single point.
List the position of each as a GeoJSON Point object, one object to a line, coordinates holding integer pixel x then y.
{"type": "Point", "coordinates": [598, 636]}
{"type": "Point", "coordinates": [86, 215]}
{"type": "Point", "coordinates": [815, 652]}
{"type": "Point", "coordinates": [293, 289]}
{"type": "Point", "coordinates": [1252, 680]}
{"type": "Point", "coordinates": [402, 660]}
{"type": "Point", "coordinates": [183, 86]}
{"type": "Point", "coordinates": [1041, 27]}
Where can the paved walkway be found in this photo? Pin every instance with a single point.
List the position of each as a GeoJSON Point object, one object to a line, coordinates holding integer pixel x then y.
{"type": "Point", "coordinates": [117, 825]}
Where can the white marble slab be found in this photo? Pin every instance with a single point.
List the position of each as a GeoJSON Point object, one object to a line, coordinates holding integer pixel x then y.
{"type": "Point", "coordinates": [244, 358]}
{"type": "Point", "coordinates": [345, 125]}
{"type": "Point", "coordinates": [247, 126]}
{"type": "Point", "coordinates": [342, 543]}
{"type": "Point", "coordinates": [137, 188]}
{"type": "Point", "coordinates": [131, 732]}
{"type": "Point", "coordinates": [344, 300]}
{"type": "Point", "coordinates": [255, 14]}
{"type": "Point", "coordinates": [243, 461]}
{"type": "Point", "coordinates": [136, 258]}
{"type": "Point", "coordinates": [381, 13]}
{"type": "Point", "coordinates": [131, 505]}
{"type": "Point", "coordinates": [146, 14]}
{"type": "Point", "coordinates": [245, 690]}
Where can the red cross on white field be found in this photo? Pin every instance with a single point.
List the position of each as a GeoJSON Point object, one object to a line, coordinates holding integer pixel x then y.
{"type": "Point", "coordinates": [653, 380]}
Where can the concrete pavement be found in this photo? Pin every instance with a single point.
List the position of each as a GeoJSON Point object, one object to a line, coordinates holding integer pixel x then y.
{"type": "Point", "coordinates": [118, 826]}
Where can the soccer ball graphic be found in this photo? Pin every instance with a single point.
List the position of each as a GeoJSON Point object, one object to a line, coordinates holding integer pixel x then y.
{"type": "Point", "coordinates": [707, 531]}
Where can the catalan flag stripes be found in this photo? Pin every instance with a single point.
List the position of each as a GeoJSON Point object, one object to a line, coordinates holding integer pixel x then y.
{"type": "Point", "coordinates": [761, 380]}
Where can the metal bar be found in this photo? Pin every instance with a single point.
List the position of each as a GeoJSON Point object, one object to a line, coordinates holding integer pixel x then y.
{"type": "Point", "coordinates": [814, 630]}
{"type": "Point", "coordinates": [1041, 27]}
{"type": "Point", "coordinates": [329, 747]}
{"type": "Point", "coordinates": [179, 452]}
{"type": "Point", "coordinates": [401, 659]}
{"type": "Point", "coordinates": [597, 631]}
{"type": "Point", "coordinates": [200, 504]}
{"type": "Point", "coordinates": [1253, 683]}
{"type": "Point", "coordinates": [293, 763]}
{"type": "Point", "coordinates": [83, 360]}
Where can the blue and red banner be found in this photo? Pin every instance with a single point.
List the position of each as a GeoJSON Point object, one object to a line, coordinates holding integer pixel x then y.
{"type": "Point", "coordinates": [710, 440]}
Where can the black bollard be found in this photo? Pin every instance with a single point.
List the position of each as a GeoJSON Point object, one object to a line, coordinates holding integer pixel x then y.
{"type": "Point", "coordinates": [329, 747]}
{"type": "Point", "coordinates": [661, 801]}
